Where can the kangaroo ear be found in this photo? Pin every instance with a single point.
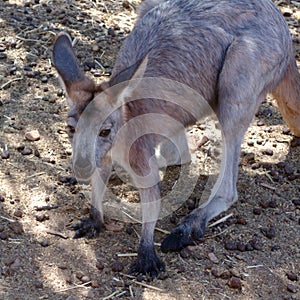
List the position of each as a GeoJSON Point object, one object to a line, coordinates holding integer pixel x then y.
{"type": "Point", "coordinates": [133, 75]}
{"type": "Point", "coordinates": [65, 61]}
{"type": "Point", "coordinates": [76, 84]}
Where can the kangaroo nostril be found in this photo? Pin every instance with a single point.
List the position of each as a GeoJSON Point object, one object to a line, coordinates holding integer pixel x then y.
{"type": "Point", "coordinates": [83, 167]}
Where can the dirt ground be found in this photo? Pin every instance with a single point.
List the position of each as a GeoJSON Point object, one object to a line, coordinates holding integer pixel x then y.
{"type": "Point", "coordinates": [253, 254]}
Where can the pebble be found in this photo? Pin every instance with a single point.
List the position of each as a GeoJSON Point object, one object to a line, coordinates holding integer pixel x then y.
{"type": "Point", "coordinates": [117, 266]}
{"type": "Point", "coordinates": [99, 265]}
{"type": "Point", "coordinates": [286, 131]}
{"type": "Point", "coordinates": [85, 279]}
{"type": "Point", "coordinates": [241, 220]}
{"type": "Point", "coordinates": [26, 151]}
{"type": "Point", "coordinates": [269, 232]}
{"type": "Point", "coordinates": [260, 123]}
{"type": "Point", "coordinates": [40, 216]}
{"type": "Point", "coordinates": [230, 245]}
{"type": "Point", "coordinates": [185, 253]}
{"type": "Point", "coordinates": [250, 143]}
{"type": "Point", "coordinates": [2, 227]}
{"type": "Point", "coordinates": [39, 284]}
{"type": "Point", "coordinates": [3, 236]}
{"type": "Point", "coordinates": [129, 229]}
{"type": "Point", "coordinates": [268, 152]}
{"type": "Point", "coordinates": [18, 213]}
{"type": "Point", "coordinates": [255, 166]}
{"type": "Point", "coordinates": [2, 198]}
{"type": "Point", "coordinates": [291, 288]}
{"type": "Point", "coordinates": [44, 243]}
{"type": "Point", "coordinates": [234, 283]}
{"type": "Point", "coordinates": [37, 153]}
{"type": "Point", "coordinates": [257, 210]}
{"type": "Point", "coordinates": [292, 276]}
{"type": "Point", "coordinates": [213, 258]}
{"type": "Point", "coordinates": [32, 135]}
{"type": "Point", "coordinates": [296, 202]}
{"type": "Point", "coordinates": [5, 154]}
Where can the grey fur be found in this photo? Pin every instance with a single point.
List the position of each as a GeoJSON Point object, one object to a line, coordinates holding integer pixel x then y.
{"type": "Point", "coordinates": [232, 52]}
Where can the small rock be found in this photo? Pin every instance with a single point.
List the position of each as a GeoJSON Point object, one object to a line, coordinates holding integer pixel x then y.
{"type": "Point", "coordinates": [286, 11]}
{"type": "Point", "coordinates": [3, 236]}
{"type": "Point", "coordinates": [111, 32]}
{"type": "Point", "coordinates": [185, 253]}
{"type": "Point", "coordinates": [95, 48]}
{"type": "Point", "coordinates": [213, 258]}
{"type": "Point", "coordinates": [85, 279]}
{"type": "Point", "coordinates": [292, 276]}
{"type": "Point", "coordinates": [32, 135]}
{"type": "Point", "coordinates": [255, 166]}
{"type": "Point", "coordinates": [5, 154]}
{"type": "Point", "coordinates": [260, 123]}
{"type": "Point", "coordinates": [26, 151]}
{"type": "Point", "coordinates": [269, 232]}
{"type": "Point", "coordinates": [117, 266]}
{"type": "Point", "coordinates": [44, 79]}
{"type": "Point", "coordinates": [37, 153]}
{"type": "Point", "coordinates": [234, 283]}
{"type": "Point", "coordinates": [291, 288]}
{"type": "Point", "coordinates": [2, 227]}
{"type": "Point", "coordinates": [250, 143]}
{"type": "Point", "coordinates": [241, 220]}
{"type": "Point", "coordinates": [40, 216]}
{"type": "Point", "coordinates": [44, 243]}
{"type": "Point", "coordinates": [241, 247]}
{"type": "Point", "coordinates": [230, 245]}
{"type": "Point", "coordinates": [99, 265]}
{"type": "Point", "coordinates": [129, 229]}
{"type": "Point", "coordinates": [18, 213]}
{"type": "Point", "coordinates": [39, 284]}
{"type": "Point", "coordinates": [2, 198]}
{"type": "Point", "coordinates": [95, 284]}
{"type": "Point", "coordinates": [257, 210]}
{"type": "Point", "coordinates": [296, 202]}
{"type": "Point", "coordinates": [268, 152]}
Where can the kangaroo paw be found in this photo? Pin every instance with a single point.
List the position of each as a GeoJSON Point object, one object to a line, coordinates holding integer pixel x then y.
{"type": "Point", "coordinates": [147, 263]}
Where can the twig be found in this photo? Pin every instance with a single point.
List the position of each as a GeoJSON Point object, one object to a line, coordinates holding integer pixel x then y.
{"type": "Point", "coordinates": [111, 295]}
{"type": "Point", "coordinates": [268, 186]}
{"type": "Point", "coordinates": [74, 287]}
{"type": "Point", "coordinates": [252, 267]}
{"type": "Point", "coordinates": [10, 81]}
{"type": "Point", "coordinates": [46, 207]}
{"type": "Point", "coordinates": [148, 286]}
{"type": "Point", "coordinates": [7, 219]}
{"type": "Point", "coordinates": [36, 174]}
{"type": "Point", "coordinates": [127, 254]}
{"type": "Point", "coordinates": [139, 222]}
{"type": "Point", "coordinates": [53, 232]}
{"type": "Point", "coordinates": [220, 220]}
{"type": "Point", "coordinates": [141, 283]}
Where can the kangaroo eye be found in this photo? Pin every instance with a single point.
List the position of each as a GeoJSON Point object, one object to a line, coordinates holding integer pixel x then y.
{"type": "Point", "coordinates": [104, 132]}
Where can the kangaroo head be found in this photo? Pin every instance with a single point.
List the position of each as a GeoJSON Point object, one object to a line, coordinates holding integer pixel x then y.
{"type": "Point", "coordinates": [95, 115]}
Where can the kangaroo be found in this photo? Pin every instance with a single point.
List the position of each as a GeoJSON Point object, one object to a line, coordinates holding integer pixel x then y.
{"type": "Point", "coordinates": [231, 52]}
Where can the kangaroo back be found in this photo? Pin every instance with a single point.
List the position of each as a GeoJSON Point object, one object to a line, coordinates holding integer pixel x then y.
{"type": "Point", "coordinates": [287, 94]}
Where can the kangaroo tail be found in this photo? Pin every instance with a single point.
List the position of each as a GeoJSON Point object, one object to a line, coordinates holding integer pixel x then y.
{"type": "Point", "coordinates": [287, 94]}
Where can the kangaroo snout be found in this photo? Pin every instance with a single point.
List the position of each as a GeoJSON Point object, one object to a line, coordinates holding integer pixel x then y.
{"type": "Point", "coordinates": [83, 168]}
